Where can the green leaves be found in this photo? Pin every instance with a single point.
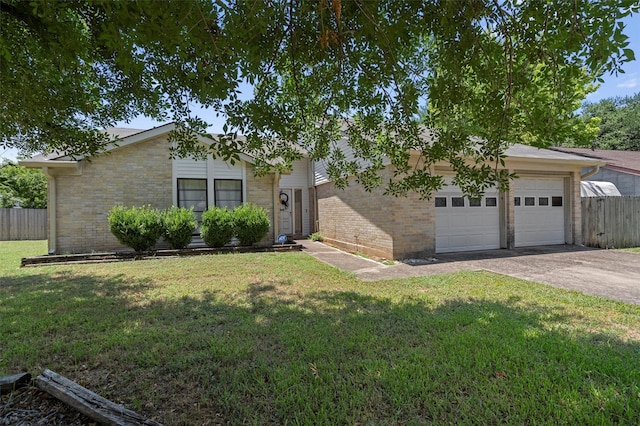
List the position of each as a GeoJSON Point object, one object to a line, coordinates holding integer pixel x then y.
{"type": "Point", "coordinates": [21, 186]}
{"type": "Point", "coordinates": [504, 72]}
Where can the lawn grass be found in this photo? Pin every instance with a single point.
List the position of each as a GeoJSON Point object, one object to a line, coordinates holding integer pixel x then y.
{"type": "Point", "coordinates": [632, 249]}
{"type": "Point", "coordinates": [280, 338]}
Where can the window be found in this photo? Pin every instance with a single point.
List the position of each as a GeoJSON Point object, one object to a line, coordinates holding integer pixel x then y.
{"type": "Point", "coordinates": [516, 201]}
{"type": "Point", "coordinates": [475, 202]}
{"type": "Point", "coordinates": [529, 201]}
{"type": "Point", "coordinates": [441, 201]}
{"type": "Point", "coordinates": [193, 193]}
{"type": "Point", "coordinates": [457, 202]}
{"type": "Point", "coordinates": [228, 193]}
{"type": "Point", "coordinates": [556, 201]}
{"type": "Point", "coordinates": [543, 201]}
{"type": "Point", "coordinates": [491, 202]}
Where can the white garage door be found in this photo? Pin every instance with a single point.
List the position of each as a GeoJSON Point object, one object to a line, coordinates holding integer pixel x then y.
{"type": "Point", "coordinates": [463, 224]}
{"type": "Point", "coordinates": [539, 211]}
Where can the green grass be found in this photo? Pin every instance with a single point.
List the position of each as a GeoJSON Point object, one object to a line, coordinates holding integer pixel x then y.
{"type": "Point", "coordinates": [632, 249]}
{"type": "Point", "coordinates": [280, 338]}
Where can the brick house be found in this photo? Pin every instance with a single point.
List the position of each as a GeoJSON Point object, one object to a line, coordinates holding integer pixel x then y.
{"type": "Point", "coordinates": [541, 207]}
{"type": "Point", "coordinates": [139, 171]}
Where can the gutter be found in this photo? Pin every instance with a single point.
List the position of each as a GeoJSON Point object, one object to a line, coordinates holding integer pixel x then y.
{"type": "Point", "coordinates": [593, 171]}
{"type": "Point", "coordinates": [50, 164]}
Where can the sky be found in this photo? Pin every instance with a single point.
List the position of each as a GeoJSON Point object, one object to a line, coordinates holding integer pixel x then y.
{"type": "Point", "coordinates": [622, 84]}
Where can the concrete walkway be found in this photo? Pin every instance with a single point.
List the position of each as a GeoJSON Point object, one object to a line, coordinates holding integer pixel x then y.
{"type": "Point", "coordinates": [610, 273]}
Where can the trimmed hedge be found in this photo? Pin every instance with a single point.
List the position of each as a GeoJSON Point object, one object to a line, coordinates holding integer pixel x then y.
{"type": "Point", "coordinates": [179, 225]}
{"type": "Point", "coordinates": [217, 227]}
{"type": "Point", "coordinates": [251, 223]}
{"type": "Point", "coordinates": [141, 227]}
{"type": "Point", "coordinates": [137, 227]}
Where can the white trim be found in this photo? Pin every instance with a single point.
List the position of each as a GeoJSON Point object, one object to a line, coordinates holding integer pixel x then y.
{"type": "Point", "coordinates": [244, 182]}
{"type": "Point", "coordinates": [58, 164]}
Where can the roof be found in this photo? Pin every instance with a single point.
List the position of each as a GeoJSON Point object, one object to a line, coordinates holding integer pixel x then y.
{"type": "Point", "coordinates": [121, 132]}
{"type": "Point", "coordinates": [530, 152]}
{"type": "Point", "coordinates": [623, 161]}
{"type": "Point", "coordinates": [121, 137]}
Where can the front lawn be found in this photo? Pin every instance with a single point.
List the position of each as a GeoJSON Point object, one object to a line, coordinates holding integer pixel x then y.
{"type": "Point", "coordinates": [280, 338]}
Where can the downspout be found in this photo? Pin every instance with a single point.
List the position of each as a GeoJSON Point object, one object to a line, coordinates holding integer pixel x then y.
{"type": "Point", "coordinates": [51, 210]}
{"type": "Point", "coordinates": [590, 173]}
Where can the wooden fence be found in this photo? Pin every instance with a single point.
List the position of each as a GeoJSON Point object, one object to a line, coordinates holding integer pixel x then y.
{"type": "Point", "coordinates": [23, 224]}
{"type": "Point", "coordinates": [611, 222]}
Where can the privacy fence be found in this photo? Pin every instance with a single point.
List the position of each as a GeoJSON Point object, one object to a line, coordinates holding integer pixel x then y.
{"type": "Point", "coordinates": [611, 222]}
{"type": "Point", "coordinates": [23, 224]}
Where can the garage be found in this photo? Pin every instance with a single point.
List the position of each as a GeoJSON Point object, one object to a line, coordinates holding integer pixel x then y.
{"type": "Point", "coordinates": [539, 205]}
{"type": "Point", "coordinates": [463, 224]}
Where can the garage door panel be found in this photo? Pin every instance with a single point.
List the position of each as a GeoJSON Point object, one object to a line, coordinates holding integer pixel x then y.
{"type": "Point", "coordinates": [466, 227]}
{"type": "Point", "coordinates": [539, 220]}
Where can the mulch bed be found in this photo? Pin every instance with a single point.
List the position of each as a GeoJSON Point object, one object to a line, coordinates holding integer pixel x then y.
{"type": "Point", "coordinates": [30, 406]}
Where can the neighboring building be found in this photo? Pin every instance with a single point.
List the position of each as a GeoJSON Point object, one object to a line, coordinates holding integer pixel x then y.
{"type": "Point", "coordinates": [541, 207]}
{"type": "Point", "coordinates": [622, 168]}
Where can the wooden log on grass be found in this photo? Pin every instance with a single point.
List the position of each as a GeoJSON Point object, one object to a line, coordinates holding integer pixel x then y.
{"type": "Point", "coordinates": [89, 403]}
{"type": "Point", "coordinates": [11, 383]}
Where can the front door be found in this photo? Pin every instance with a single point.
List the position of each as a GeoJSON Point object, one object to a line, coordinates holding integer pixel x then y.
{"type": "Point", "coordinates": [286, 211]}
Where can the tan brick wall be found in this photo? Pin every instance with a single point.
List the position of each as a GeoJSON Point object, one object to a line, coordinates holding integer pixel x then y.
{"type": "Point", "coordinates": [576, 209]}
{"type": "Point", "coordinates": [132, 175]}
{"type": "Point", "coordinates": [376, 224]}
{"type": "Point", "coordinates": [260, 193]}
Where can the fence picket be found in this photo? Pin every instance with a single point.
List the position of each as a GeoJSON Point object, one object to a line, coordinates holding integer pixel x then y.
{"type": "Point", "coordinates": [23, 224]}
{"type": "Point", "coordinates": [611, 222]}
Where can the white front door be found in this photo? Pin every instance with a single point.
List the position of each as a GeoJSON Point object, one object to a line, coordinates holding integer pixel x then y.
{"type": "Point", "coordinates": [286, 211]}
{"type": "Point", "coordinates": [463, 224]}
{"type": "Point", "coordinates": [539, 206]}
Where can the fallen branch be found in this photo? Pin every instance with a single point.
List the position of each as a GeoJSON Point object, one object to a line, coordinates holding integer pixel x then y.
{"type": "Point", "coordinates": [11, 383]}
{"type": "Point", "coordinates": [89, 403]}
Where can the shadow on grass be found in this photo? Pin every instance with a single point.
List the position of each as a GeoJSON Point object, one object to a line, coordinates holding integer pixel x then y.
{"type": "Point", "coordinates": [272, 354]}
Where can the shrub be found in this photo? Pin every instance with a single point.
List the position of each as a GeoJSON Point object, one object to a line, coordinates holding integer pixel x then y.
{"type": "Point", "coordinates": [179, 224]}
{"type": "Point", "coordinates": [251, 223]}
{"type": "Point", "coordinates": [136, 227]}
{"type": "Point", "coordinates": [316, 236]}
{"type": "Point", "coordinates": [217, 226]}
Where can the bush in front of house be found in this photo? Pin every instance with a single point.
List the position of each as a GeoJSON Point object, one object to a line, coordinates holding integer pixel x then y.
{"type": "Point", "coordinates": [251, 223]}
{"type": "Point", "coordinates": [316, 236]}
{"type": "Point", "coordinates": [137, 227]}
{"type": "Point", "coordinates": [179, 224]}
{"type": "Point", "coordinates": [217, 226]}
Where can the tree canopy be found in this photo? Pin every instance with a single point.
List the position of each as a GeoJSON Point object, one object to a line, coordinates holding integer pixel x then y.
{"type": "Point", "coordinates": [618, 122]}
{"type": "Point", "coordinates": [20, 186]}
{"type": "Point", "coordinates": [480, 73]}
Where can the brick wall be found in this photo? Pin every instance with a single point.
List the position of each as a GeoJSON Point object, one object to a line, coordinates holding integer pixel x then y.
{"type": "Point", "coordinates": [575, 214]}
{"type": "Point", "coordinates": [376, 224]}
{"type": "Point", "coordinates": [132, 175]}
{"type": "Point", "coordinates": [260, 193]}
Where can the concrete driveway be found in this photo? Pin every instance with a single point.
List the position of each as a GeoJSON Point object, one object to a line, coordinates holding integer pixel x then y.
{"type": "Point", "coordinates": [609, 273]}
